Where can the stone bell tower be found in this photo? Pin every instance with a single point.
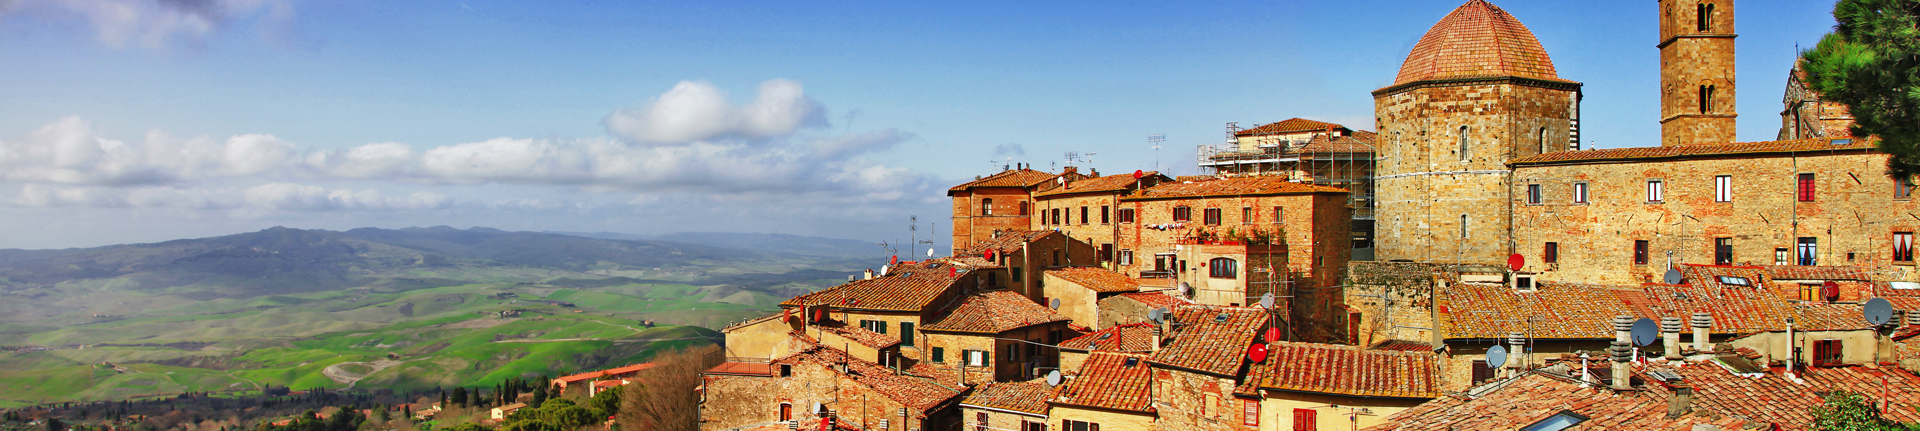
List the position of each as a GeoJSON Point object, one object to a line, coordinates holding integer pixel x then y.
{"type": "Point", "coordinates": [1696, 72]}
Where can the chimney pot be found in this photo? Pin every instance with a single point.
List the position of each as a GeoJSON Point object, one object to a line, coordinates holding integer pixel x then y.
{"type": "Point", "coordinates": [1702, 324]}
{"type": "Point", "coordinates": [1681, 402]}
{"type": "Point", "coordinates": [1670, 337]}
{"type": "Point", "coordinates": [1622, 373]}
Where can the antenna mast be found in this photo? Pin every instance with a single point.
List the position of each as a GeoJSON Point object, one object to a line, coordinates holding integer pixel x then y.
{"type": "Point", "coordinates": [1156, 139]}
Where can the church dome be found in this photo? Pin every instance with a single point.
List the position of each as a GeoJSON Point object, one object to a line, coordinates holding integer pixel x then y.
{"type": "Point", "coordinates": [1477, 40]}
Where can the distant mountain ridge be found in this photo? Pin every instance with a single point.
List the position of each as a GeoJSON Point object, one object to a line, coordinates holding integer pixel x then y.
{"type": "Point", "coordinates": [765, 242]}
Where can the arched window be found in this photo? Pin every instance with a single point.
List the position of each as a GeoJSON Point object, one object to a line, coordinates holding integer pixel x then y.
{"type": "Point", "coordinates": [1023, 208]}
{"type": "Point", "coordinates": [1706, 99]}
{"type": "Point", "coordinates": [986, 207]}
{"type": "Point", "coordinates": [1543, 141]}
{"type": "Point", "coordinates": [1704, 21]}
{"type": "Point", "coordinates": [1463, 144]}
{"type": "Point", "coordinates": [1221, 267]}
{"type": "Point", "coordinates": [1463, 226]}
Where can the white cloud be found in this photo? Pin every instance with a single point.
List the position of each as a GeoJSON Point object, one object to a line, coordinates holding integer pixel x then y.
{"type": "Point", "coordinates": [507, 159]}
{"type": "Point", "coordinates": [158, 24]}
{"type": "Point", "coordinates": [70, 151]}
{"type": "Point", "coordinates": [295, 197]}
{"type": "Point", "coordinates": [695, 111]}
{"type": "Point", "coordinates": [387, 159]}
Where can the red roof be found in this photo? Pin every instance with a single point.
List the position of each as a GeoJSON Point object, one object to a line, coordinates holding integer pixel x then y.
{"type": "Point", "coordinates": [1347, 370]}
{"type": "Point", "coordinates": [1477, 40]}
{"type": "Point", "coordinates": [1134, 337]}
{"type": "Point", "coordinates": [1227, 187]}
{"type": "Point", "coordinates": [1836, 273]}
{"type": "Point", "coordinates": [742, 369]}
{"type": "Point", "coordinates": [994, 312]}
{"type": "Point", "coordinates": [1291, 125]}
{"type": "Point", "coordinates": [1110, 183]}
{"type": "Point", "coordinates": [1772, 398]}
{"type": "Point", "coordinates": [1008, 241]}
{"type": "Point", "coordinates": [1029, 396]}
{"type": "Point", "coordinates": [1211, 339]}
{"type": "Point", "coordinates": [603, 373]}
{"type": "Point", "coordinates": [1108, 380]}
{"type": "Point", "coordinates": [1097, 279]}
{"type": "Point", "coordinates": [908, 287]}
{"type": "Point", "coordinates": [1697, 151]}
{"type": "Point", "coordinates": [857, 334]}
{"type": "Point", "coordinates": [1008, 178]}
{"type": "Point", "coordinates": [1155, 299]}
{"type": "Point", "coordinates": [1534, 397]}
{"type": "Point", "coordinates": [917, 392]}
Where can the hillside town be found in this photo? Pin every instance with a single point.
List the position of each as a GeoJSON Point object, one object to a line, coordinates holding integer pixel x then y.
{"type": "Point", "coordinates": [1466, 265]}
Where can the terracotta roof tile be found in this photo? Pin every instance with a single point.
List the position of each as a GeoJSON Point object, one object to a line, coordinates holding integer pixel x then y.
{"type": "Point", "coordinates": [1836, 273]}
{"type": "Point", "coordinates": [993, 312]}
{"type": "Point", "coordinates": [1108, 380]}
{"type": "Point", "coordinates": [1533, 397]}
{"type": "Point", "coordinates": [1008, 178]}
{"type": "Point", "coordinates": [857, 334]}
{"type": "Point", "coordinates": [1692, 151]}
{"type": "Point", "coordinates": [1028, 396]}
{"type": "Point", "coordinates": [1211, 339]}
{"type": "Point", "coordinates": [1477, 40]}
{"type": "Point", "coordinates": [1237, 186]}
{"type": "Point", "coordinates": [914, 391]}
{"type": "Point", "coordinates": [1348, 370]}
{"type": "Point", "coordinates": [590, 375]}
{"type": "Point", "coordinates": [1772, 398]}
{"type": "Point", "coordinates": [1583, 311]}
{"type": "Point", "coordinates": [1133, 337]}
{"type": "Point", "coordinates": [1402, 345]}
{"type": "Point", "coordinates": [1155, 299]}
{"type": "Point", "coordinates": [1110, 183]}
{"type": "Point", "coordinates": [905, 288]}
{"type": "Point", "coordinates": [1291, 125]}
{"type": "Point", "coordinates": [1007, 241]}
{"type": "Point", "coordinates": [1097, 279]}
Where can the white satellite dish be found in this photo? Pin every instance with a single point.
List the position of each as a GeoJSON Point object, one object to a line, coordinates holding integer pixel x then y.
{"type": "Point", "coordinates": [819, 409]}
{"type": "Point", "coordinates": [1496, 356]}
{"type": "Point", "coordinates": [929, 252]}
{"type": "Point", "coordinates": [1053, 378]}
{"type": "Point", "coordinates": [1266, 301]}
{"type": "Point", "coordinates": [1153, 314]}
{"type": "Point", "coordinates": [883, 270]}
{"type": "Point", "coordinates": [1054, 304]}
{"type": "Point", "coordinates": [1184, 288]}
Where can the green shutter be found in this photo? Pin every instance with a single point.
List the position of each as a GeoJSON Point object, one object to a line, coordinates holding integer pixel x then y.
{"type": "Point", "coordinates": [906, 334]}
{"type": "Point", "coordinates": [939, 355]}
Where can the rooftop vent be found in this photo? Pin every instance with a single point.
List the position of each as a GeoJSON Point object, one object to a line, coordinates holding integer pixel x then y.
{"type": "Point", "coordinates": [1664, 376]}
{"type": "Point", "coordinates": [1106, 335]}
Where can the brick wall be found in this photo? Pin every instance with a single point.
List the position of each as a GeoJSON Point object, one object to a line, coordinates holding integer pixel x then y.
{"type": "Point", "coordinates": [1395, 300]}
{"type": "Point", "coordinates": [1690, 58]}
{"type": "Point", "coordinates": [1193, 401]}
{"type": "Point", "coordinates": [970, 222]}
{"type": "Point", "coordinates": [1093, 229]}
{"type": "Point", "coordinates": [737, 401]}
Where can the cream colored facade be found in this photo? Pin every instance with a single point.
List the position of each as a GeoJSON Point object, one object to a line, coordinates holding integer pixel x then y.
{"type": "Point", "coordinates": [1108, 419]}
{"type": "Point", "coordinates": [1280, 411]}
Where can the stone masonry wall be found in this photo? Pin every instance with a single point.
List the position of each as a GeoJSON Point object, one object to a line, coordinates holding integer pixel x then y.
{"type": "Point", "coordinates": [972, 224]}
{"type": "Point", "coordinates": [1689, 59]}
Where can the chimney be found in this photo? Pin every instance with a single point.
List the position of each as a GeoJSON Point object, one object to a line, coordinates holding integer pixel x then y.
{"type": "Point", "coordinates": [1622, 350]}
{"type": "Point", "coordinates": [1516, 347]}
{"type": "Point", "coordinates": [1156, 336]}
{"type": "Point", "coordinates": [1701, 321]}
{"type": "Point", "coordinates": [869, 273]}
{"type": "Point", "coordinates": [1069, 170]}
{"type": "Point", "coordinates": [1670, 337]}
{"type": "Point", "coordinates": [1681, 401]}
{"type": "Point", "coordinates": [1913, 317]}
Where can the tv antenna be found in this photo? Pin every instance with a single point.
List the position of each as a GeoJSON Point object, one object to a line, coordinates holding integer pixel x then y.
{"type": "Point", "coordinates": [1156, 139]}
{"type": "Point", "coordinates": [1072, 156]}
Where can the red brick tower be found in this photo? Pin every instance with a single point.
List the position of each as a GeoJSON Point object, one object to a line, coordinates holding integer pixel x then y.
{"type": "Point", "coordinates": [1696, 72]}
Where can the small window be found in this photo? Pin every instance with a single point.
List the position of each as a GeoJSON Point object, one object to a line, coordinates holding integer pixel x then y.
{"type": "Point", "coordinates": [1464, 155]}
{"type": "Point", "coordinates": [1481, 371]}
{"type": "Point", "coordinates": [1126, 257]}
{"type": "Point", "coordinates": [1543, 141]}
{"type": "Point", "coordinates": [1221, 267]}
{"type": "Point", "coordinates": [1640, 252]}
{"type": "Point", "coordinates": [906, 334]}
{"type": "Point", "coordinates": [1056, 216]}
{"type": "Point", "coordinates": [1903, 247]}
{"type": "Point", "coordinates": [1251, 414]}
{"type": "Point", "coordinates": [1106, 214]}
{"type": "Point", "coordinates": [786, 411]}
{"type": "Point", "coordinates": [1306, 420]}
{"type": "Point", "coordinates": [1551, 254]}
{"type": "Point", "coordinates": [1463, 226]}
{"type": "Point", "coordinates": [1735, 281]}
{"type": "Point", "coordinates": [1106, 252]}
{"type": "Point", "coordinates": [1579, 193]}
{"type": "Point", "coordinates": [1723, 251]}
{"type": "Point", "coordinates": [1212, 216]}
{"type": "Point", "coordinates": [1706, 99]}
{"type": "Point", "coordinates": [1073, 425]}
{"type": "Point", "coordinates": [1557, 422]}
{"type": "Point", "coordinates": [1279, 215]}
{"type": "Point", "coordinates": [1024, 207]}
{"type": "Point", "coordinates": [1656, 191]}
{"type": "Point", "coordinates": [1182, 213]}
{"type": "Point", "coordinates": [786, 370]}
{"type": "Point", "coordinates": [1723, 188]}
{"type": "Point", "coordinates": [1246, 215]}
{"type": "Point", "coordinates": [976, 358]}
{"type": "Point", "coordinates": [1126, 215]}
{"type": "Point", "coordinates": [939, 355]}
{"type": "Point", "coordinates": [1533, 194]}
{"type": "Point", "coordinates": [1083, 216]}
{"type": "Point", "coordinates": [1809, 251]}
{"type": "Point", "coordinates": [986, 207]}
{"type": "Point", "coordinates": [1806, 187]}
{"type": "Point", "coordinates": [1903, 188]}
{"type": "Point", "coordinates": [1828, 353]}
{"type": "Point", "coordinates": [1781, 256]}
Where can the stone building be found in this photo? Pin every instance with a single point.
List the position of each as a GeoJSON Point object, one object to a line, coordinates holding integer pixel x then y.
{"type": "Point", "coordinates": [1083, 208]}
{"type": "Point", "coordinates": [1017, 260]}
{"type": "Point", "coordinates": [857, 393]}
{"type": "Point", "coordinates": [1306, 151]}
{"type": "Point", "coordinates": [1476, 92]}
{"type": "Point", "coordinates": [1808, 114]}
{"type": "Point", "coordinates": [1696, 72]}
{"type": "Point", "coordinates": [1009, 406]}
{"type": "Point", "coordinates": [1203, 359]}
{"type": "Point", "coordinates": [1080, 290]}
{"type": "Point", "coordinates": [995, 203]}
{"type": "Point", "coordinates": [1112, 390]}
{"type": "Point", "coordinates": [996, 336]}
{"type": "Point", "coordinates": [1129, 338]}
{"type": "Point", "coordinates": [1326, 386]}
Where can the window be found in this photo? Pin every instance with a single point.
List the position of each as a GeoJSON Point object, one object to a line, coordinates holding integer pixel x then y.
{"type": "Point", "coordinates": [1023, 207]}
{"type": "Point", "coordinates": [1126, 257]}
{"type": "Point", "coordinates": [1723, 188]}
{"type": "Point", "coordinates": [1579, 193]}
{"type": "Point", "coordinates": [976, 358]}
{"type": "Point", "coordinates": [1780, 256]}
{"type": "Point", "coordinates": [1073, 425]}
{"type": "Point", "coordinates": [1481, 371]}
{"type": "Point", "coordinates": [1056, 215]}
{"type": "Point", "coordinates": [1305, 420]}
{"type": "Point", "coordinates": [1903, 247]}
{"type": "Point", "coordinates": [1083, 216]}
{"type": "Point", "coordinates": [1017, 276]}
{"type": "Point", "coordinates": [1182, 213]}
{"type": "Point", "coordinates": [1703, 18]}
{"type": "Point", "coordinates": [786, 412]}
{"type": "Point", "coordinates": [1723, 251]}
{"type": "Point", "coordinates": [1533, 194]}
{"type": "Point", "coordinates": [1106, 214]}
{"type": "Point", "coordinates": [1464, 156]}
{"type": "Point", "coordinates": [1251, 413]}
{"type": "Point", "coordinates": [1279, 215]}
{"type": "Point", "coordinates": [980, 421]}
{"type": "Point", "coordinates": [1809, 251]}
{"type": "Point", "coordinates": [786, 370]}
{"type": "Point", "coordinates": [1903, 188]}
{"type": "Point", "coordinates": [939, 355]}
{"type": "Point", "coordinates": [986, 207]}
{"type": "Point", "coordinates": [1126, 215]}
{"type": "Point", "coordinates": [1212, 216]}
{"type": "Point", "coordinates": [1806, 187]}
{"type": "Point", "coordinates": [1557, 422]}
{"type": "Point", "coordinates": [877, 326]}
{"type": "Point", "coordinates": [1656, 191]}
{"type": "Point", "coordinates": [1106, 252]}
{"type": "Point", "coordinates": [1706, 99]}
{"type": "Point", "coordinates": [1463, 226]}
{"type": "Point", "coordinates": [1221, 267]}
{"type": "Point", "coordinates": [906, 334]}
{"type": "Point", "coordinates": [1246, 215]}
{"type": "Point", "coordinates": [1639, 252]}
{"type": "Point", "coordinates": [1827, 353]}
{"type": "Point", "coordinates": [1033, 426]}
{"type": "Point", "coordinates": [1543, 141]}
{"type": "Point", "coordinates": [1734, 281]}
{"type": "Point", "coordinates": [1551, 254]}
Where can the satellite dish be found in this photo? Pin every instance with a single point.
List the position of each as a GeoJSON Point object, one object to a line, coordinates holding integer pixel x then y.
{"type": "Point", "coordinates": [1266, 301]}
{"type": "Point", "coordinates": [1257, 353]}
{"type": "Point", "coordinates": [1516, 261]}
{"type": "Point", "coordinates": [1053, 378]}
{"type": "Point", "coordinates": [883, 270]}
{"type": "Point", "coordinates": [1153, 314]}
{"type": "Point", "coordinates": [893, 260]}
{"type": "Point", "coordinates": [929, 252]}
{"type": "Point", "coordinates": [1184, 288]}
{"type": "Point", "coordinates": [1830, 289]}
{"type": "Point", "coordinates": [1674, 277]}
{"type": "Point", "coordinates": [1054, 304]}
{"type": "Point", "coordinates": [1645, 332]}
{"type": "Point", "coordinates": [1273, 335]}
{"type": "Point", "coordinates": [1137, 174]}
{"type": "Point", "coordinates": [1496, 356]}
{"type": "Point", "coordinates": [989, 255]}
{"type": "Point", "coordinates": [819, 409]}
{"type": "Point", "coordinates": [1879, 311]}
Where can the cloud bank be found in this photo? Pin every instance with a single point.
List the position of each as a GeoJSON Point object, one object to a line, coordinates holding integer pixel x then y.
{"type": "Point", "coordinates": [159, 24]}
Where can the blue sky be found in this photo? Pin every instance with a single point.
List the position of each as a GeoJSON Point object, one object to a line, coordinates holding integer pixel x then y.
{"type": "Point", "coordinates": [147, 120]}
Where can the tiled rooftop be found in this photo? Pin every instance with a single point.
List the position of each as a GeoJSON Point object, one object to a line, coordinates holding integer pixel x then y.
{"type": "Point", "coordinates": [905, 288]}
{"type": "Point", "coordinates": [1028, 396]}
{"type": "Point", "coordinates": [1155, 299]}
{"type": "Point", "coordinates": [1477, 40]}
{"type": "Point", "coordinates": [603, 373]}
{"type": "Point", "coordinates": [1097, 279]}
{"type": "Point", "coordinates": [1772, 398]}
{"type": "Point", "coordinates": [1836, 273]}
{"type": "Point", "coordinates": [1106, 380]}
{"type": "Point", "coordinates": [1008, 178]}
{"type": "Point", "coordinates": [1534, 397]}
{"type": "Point", "coordinates": [857, 334]}
{"type": "Point", "coordinates": [1403, 345]}
{"type": "Point", "coordinates": [1212, 339]}
{"type": "Point", "coordinates": [993, 312]}
{"type": "Point", "coordinates": [1007, 241]}
{"type": "Point", "coordinates": [1133, 337]}
{"type": "Point", "coordinates": [1347, 370]}
{"type": "Point", "coordinates": [1109, 183]}
{"type": "Point", "coordinates": [1802, 146]}
{"type": "Point", "coordinates": [1236, 186]}
{"type": "Point", "coordinates": [1291, 125]}
{"type": "Point", "coordinates": [1582, 311]}
{"type": "Point", "coordinates": [917, 392]}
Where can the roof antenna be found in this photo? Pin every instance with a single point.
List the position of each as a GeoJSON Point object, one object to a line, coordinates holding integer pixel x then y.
{"type": "Point", "coordinates": [1156, 139]}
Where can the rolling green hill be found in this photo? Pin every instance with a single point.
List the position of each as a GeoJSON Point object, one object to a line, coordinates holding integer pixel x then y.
{"type": "Point", "coordinates": [372, 308]}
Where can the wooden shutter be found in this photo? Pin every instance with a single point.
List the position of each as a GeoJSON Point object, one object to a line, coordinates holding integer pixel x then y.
{"type": "Point", "coordinates": [1305, 420]}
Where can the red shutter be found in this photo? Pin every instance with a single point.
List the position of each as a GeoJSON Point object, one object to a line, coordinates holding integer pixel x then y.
{"type": "Point", "coordinates": [1253, 413]}
{"type": "Point", "coordinates": [1304, 420]}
